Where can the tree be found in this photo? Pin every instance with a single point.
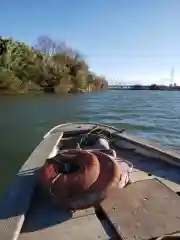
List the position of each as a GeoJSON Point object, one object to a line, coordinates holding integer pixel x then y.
{"type": "Point", "coordinates": [47, 46]}
{"type": "Point", "coordinates": [50, 65]}
{"type": "Point", "coordinates": [153, 87]}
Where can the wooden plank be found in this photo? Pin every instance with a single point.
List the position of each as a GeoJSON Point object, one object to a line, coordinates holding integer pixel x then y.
{"type": "Point", "coordinates": [47, 221]}
{"type": "Point", "coordinates": [84, 212]}
{"type": "Point", "coordinates": [175, 236]}
{"type": "Point", "coordinates": [141, 175]}
{"type": "Point", "coordinates": [143, 210]}
{"type": "Point", "coordinates": [87, 227]}
{"type": "Point", "coordinates": [172, 185]}
{"type": "Point", "coordinates": [16, 202]}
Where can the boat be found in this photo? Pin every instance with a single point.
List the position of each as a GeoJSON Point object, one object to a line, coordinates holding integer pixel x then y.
{"type": "Point", "coordinates": [148, 207]}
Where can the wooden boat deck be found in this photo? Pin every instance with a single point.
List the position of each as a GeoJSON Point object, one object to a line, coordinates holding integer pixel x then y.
{"type": "Point", "coordinates": [46, 221]}
{"type": "Point", "coordinates": [143, 210]}
{"type": "Point", "coordinates": [148, 208]}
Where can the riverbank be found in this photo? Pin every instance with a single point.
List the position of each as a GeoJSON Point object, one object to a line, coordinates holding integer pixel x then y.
{"type": "Point", "coordinates": [153, 87]}
{"type": "Point", "coordinates": [48, 66]}
{"type": "Point", "coordinates": [41, 92]}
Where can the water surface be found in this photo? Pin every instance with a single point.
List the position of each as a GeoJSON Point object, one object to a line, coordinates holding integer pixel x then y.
{"type": "Point", "coordinates": [154, 115]}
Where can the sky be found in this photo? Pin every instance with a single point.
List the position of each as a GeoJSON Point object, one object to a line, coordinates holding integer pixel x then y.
{"type": "Point", "coordinates": [128, 41]}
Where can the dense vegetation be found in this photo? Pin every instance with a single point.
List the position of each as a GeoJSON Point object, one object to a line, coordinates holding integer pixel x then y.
{"type": "Point", "coordinates": [49, 66]}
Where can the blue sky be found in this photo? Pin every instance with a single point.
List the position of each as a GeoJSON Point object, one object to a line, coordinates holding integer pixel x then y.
{"type": "Point", "coordinates": [137, 40]}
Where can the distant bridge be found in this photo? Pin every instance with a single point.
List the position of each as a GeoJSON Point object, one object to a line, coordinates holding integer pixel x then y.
{"type": "Point", "coordinates": [119, 87]}
{"type": "Point", "coordinates": [130, 86]}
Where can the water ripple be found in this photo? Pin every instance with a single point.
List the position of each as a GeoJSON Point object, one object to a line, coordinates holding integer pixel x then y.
{"type": "Point", "coordinates": [153, 115]}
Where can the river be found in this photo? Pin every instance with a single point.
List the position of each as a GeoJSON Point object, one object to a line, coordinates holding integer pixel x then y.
{"type": "Point", "coordinates": [154, 115]}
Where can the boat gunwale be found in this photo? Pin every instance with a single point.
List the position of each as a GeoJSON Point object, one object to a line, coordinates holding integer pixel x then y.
{"type": "Point", "coordinates": [148, 145]}
{"type": "Point", "coordinates": [14, 219]}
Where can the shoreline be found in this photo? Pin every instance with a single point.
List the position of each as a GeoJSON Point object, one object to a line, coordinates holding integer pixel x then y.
{"type": "Point", "coordinates": [49, 93]}
{"type": "Point", "coordinates": [125, 89]}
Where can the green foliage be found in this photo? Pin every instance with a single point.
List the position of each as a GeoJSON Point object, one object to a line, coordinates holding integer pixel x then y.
{"type": "Point", "coordinates": [48, 66]}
